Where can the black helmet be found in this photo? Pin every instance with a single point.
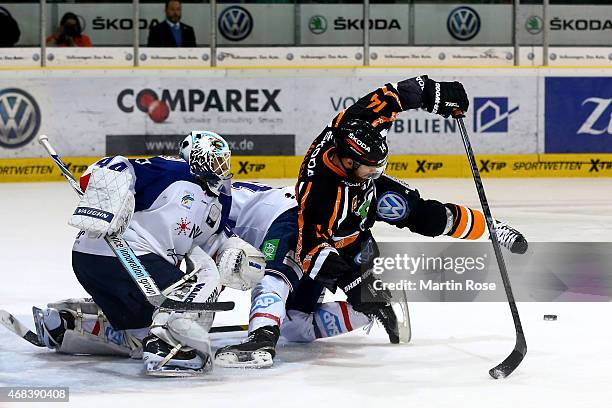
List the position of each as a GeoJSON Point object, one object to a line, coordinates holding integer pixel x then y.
{"type": "Point", "coordinates": [360, 141]}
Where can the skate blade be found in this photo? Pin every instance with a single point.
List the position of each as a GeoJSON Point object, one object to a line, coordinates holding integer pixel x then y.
{"type": "Point", "coordinates": [255, 359]}
{"type": "Point", "coordinates": [152, 369]}
{"type": "Point", "coordinates": [169, 372]}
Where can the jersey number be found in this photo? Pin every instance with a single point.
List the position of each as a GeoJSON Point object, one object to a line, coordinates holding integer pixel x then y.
{"type": "Point", "coordinates": [116, 167]}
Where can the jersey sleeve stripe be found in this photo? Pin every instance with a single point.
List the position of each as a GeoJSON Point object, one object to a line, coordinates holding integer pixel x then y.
{"type": "Point", "coordinates": [320, 259]}
{"type": "Point", "coordinates": [478, 225]}
{"type": "Point", "coordinates": [311, 256]}
{"type": "Point", "coordinates": [306, 189]}
{"type": "Point", "coordinates": [462, 219]}
{"type": "Point", "coordinates": [334, 216]}
{"type": "Point", "coordinates": [338, 119]}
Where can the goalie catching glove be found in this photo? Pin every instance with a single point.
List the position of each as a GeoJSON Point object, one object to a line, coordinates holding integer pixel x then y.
{"type": "Point", "coordinates": [107, 205]}
{"type": "Point", "coordinates": [241, 265]}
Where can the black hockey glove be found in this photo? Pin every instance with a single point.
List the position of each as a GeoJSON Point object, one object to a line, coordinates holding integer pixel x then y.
{"type": "Point", "coordinates": [444, 98]}
{"type": "Point", "coordinates": [366, 296]}
{"type": "Point", "coordinates": [363, 293]}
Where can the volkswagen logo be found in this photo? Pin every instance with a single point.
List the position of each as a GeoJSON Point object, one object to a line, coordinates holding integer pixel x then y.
{"type": "Point", "coordinates": [19, 118]}
{"type": "Point", "coordinates": [463, 23]}
{"type": "Point", "coordinates": [235, 23]}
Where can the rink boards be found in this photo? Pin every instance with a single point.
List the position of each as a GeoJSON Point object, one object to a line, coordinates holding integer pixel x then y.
{"type": "Point", "coordinates": [402, 166]}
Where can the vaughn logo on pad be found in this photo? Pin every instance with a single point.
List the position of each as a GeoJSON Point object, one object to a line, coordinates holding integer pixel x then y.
{"type": "Point", "coordinates": [94, 213]}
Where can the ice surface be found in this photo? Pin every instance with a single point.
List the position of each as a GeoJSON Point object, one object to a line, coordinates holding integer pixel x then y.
{"type": "Point", "coordinates": [446, 364]}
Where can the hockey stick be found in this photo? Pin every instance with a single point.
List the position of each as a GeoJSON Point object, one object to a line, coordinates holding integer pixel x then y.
{"type": "Point", "coordinates": [128, 258]}
{"type": "Point", "coordinates": [506, 367]}
{"type": "Point", "coordinates": [14, 325]}
{"type": "Point", "coordinates": [10, 322]}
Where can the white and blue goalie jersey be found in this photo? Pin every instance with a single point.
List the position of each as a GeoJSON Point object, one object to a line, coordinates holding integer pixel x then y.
{"type": "Point", "coordinates": [172, 213]}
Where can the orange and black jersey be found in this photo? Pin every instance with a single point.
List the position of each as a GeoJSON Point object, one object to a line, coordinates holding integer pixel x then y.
{"type": "Point", "coordinates": [333, 211]}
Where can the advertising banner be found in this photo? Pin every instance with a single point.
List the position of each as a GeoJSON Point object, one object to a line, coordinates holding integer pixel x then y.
{"type": "Point", "coordinates": [342, 24]}
{"type": "Point", "coordinates": [19, 57]}
{"type": "Point", "coordinates": [289, 56]}
{"type": "Point", "coordinates": [401, 166]}
{"type": "Point", "coordinates": [241, 145]}
{"type": "Point", "coordinates": [442, 56]}
{"type": "Point", "coordinates": [94, 112]}
{"type": "Point", "coordinates": [110, 24]}
{"type": "Point", "coordinates": [568, 25]}
{"type": "Point", "coordinates": [80, 112]}
{"type": "Point", "coordinates": [457, 24]}
{"type": "Point", "coordinates": [85, 57]}
{"type": "Point", "coordinates": [176, 57]}
{"type": "Point", "coordinates": [578, 116]}
{"type": "Point", "coordinates": [256, 24]}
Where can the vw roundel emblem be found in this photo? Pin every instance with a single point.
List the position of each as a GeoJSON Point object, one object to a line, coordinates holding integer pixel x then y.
{"type": "Point", "coordinates": [392, 207]}
{"type": "Point", "coordinates": [463, 23]}
{"type": "Point", "coordinates": [19, 118]}
{"type": "Point", "coordinates": [235, 23]}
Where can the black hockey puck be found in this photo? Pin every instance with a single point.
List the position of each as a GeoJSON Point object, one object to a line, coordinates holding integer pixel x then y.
{"type": "Point", "coordinates": [550, 317]}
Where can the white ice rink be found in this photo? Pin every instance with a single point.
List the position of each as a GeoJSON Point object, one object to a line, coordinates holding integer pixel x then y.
{"type": "Point", "coordinates": [446, 364]}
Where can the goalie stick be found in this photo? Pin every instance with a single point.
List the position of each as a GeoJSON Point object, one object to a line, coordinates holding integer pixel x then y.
{"type": "Point", "coordinates": [14, 325]}
{"type": "Point", "coordinates": [506, 367]}
{"type": "Point", "coordinates": [10, 322]}
{"type": "Point", "coordinates": [128, 258]}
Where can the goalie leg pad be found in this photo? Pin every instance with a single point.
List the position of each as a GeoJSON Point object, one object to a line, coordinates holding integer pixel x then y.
{"type": "Point", "coordinates": [78, 326]}
{"type": "Point", "coordinates": [179, 345]}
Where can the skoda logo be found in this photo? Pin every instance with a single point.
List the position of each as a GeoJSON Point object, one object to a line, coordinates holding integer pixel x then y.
{"type": "Point", "coordinates": [235, 23]}
{"type": "Point", "coordinates": [534, 25]}
{"type": "Point", "coordinates": [19, 118]}
{"type": "Point", "coordinates": [463, 23]}
{"type": "Point", "coordinates": [317, 24]}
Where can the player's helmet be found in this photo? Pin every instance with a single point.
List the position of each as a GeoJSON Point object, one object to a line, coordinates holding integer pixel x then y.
{"type": "Point", "coordinates": [358, 140]}
{"type": "Point", "coordinates": [208, 155]}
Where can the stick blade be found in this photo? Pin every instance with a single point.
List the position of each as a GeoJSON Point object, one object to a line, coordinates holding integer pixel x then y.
{"type": "Point", "coordinates": [11, 323]}
{"type": "Point", "coordinates": [207, 306]}
{"type": "Point", "coordinates": [507, 367]}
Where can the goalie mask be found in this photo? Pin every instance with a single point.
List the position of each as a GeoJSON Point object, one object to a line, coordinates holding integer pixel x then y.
{"type": "Point", "coordinates": [208, 155]}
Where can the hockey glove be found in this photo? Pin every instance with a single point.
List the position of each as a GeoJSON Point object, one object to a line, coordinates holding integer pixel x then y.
{"type": "Point", "coordinates": [444, 98]}
{"type": "Point", "coordinates": [363, 291]}
{"type": "Point", "coordinates": [241, 266]}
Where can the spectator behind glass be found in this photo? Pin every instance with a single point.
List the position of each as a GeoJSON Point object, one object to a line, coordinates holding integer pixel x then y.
{"type": "Point", "coordinates": [9, 29]}
{"type": "Point", "coordinates": [69, 33]}
{"type": "Point", "coordinates": [172, 33]}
